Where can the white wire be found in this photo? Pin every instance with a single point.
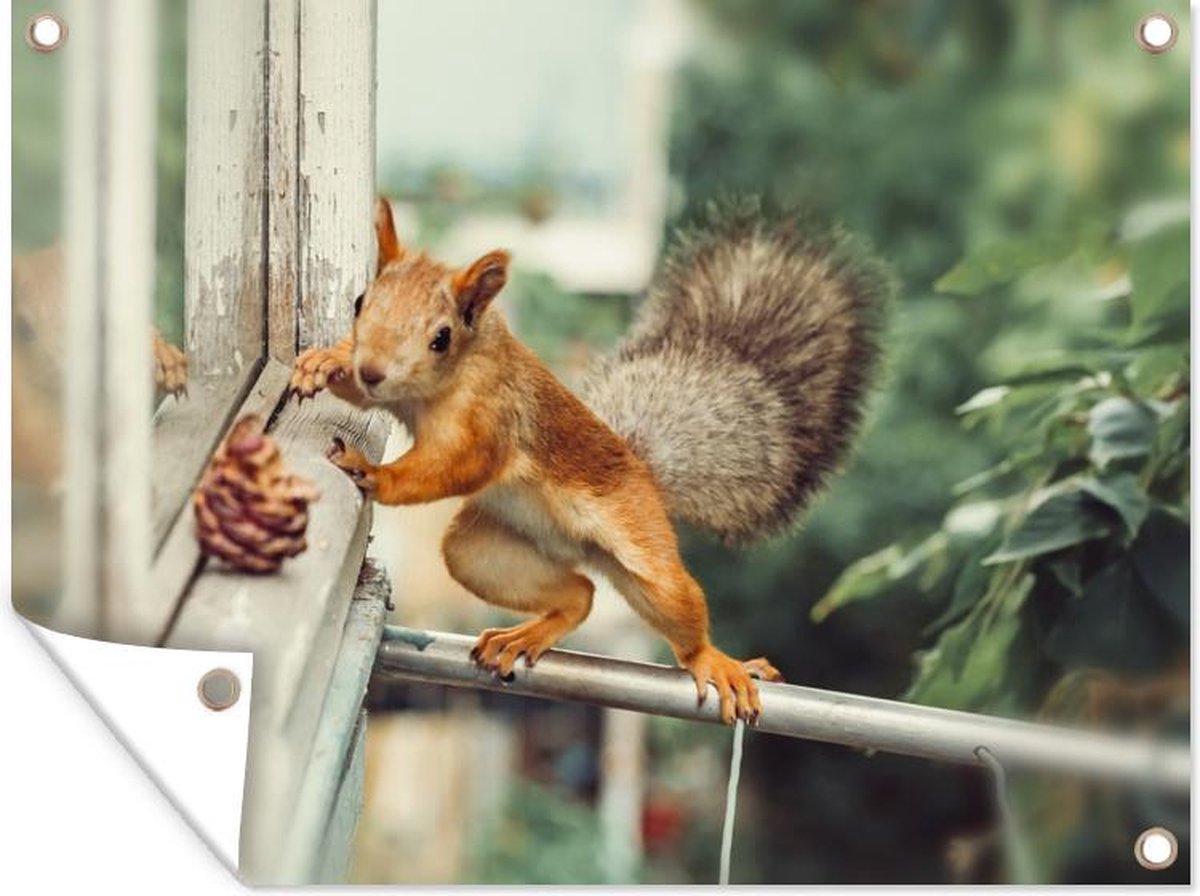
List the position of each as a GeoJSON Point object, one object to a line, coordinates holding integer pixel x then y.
{"type": "Point", "coordinates": [735, 772]}
{"type": "Point", "coordinates": [1020, 860]}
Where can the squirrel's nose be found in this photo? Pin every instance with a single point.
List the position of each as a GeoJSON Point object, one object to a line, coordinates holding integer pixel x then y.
{"type": "Point", "coordinates": [372, 376]}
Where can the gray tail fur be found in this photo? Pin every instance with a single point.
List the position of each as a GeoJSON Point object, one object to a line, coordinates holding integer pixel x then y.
{"type": "Point", "coordinates": [742, 382]}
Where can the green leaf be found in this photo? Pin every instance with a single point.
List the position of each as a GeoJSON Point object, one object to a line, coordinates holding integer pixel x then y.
{"type": "Point", "coordinates": [1151, 368]}
{"type": "Point", "coordinates": [984, 398]}
{"type": "Point", "coordinates": [1120, 428]}
{"type": "Point", "coordinates": [872, 575]}
{"type": "Point", "coordinates": [970, 586]}
{"type": "Point", "coordinates": [1123, 494]}
{"type": "Point", "coordinates": [862, 579]}
{"type": "Point", "coordinates": [1006, 467]}
{"type": "Point", "coordinates": [1172, 327]}
{"type": "Point", "coordinates": [1064, 373]}
{"type": "Point", "coordinates": [1068, 574]}
{"type": "Point", "coordinates": [1002, 262]}
{"type": "Point", "coordinates": [966, 668]}
{"type": "Point", "coordinates": [973, 520]}
{"type": "Point", "coordinates": [1161, 556]}
{"type": "Point", "coordinates": [1159, 271]}
{"type": "Point", "coordinates": [1112, 625]}
{"type": "Point", "coordinates": [1060, 521]}
{"type": "Point", "coordinates": [1171, 446]}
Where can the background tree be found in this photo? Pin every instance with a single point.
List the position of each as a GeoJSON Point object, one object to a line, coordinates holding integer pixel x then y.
{"type": "Point", "coordinates": [1045, 537]}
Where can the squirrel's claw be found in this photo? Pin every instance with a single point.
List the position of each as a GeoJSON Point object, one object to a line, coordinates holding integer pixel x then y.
{"type": "Point", "coordinates": [317, 368]}
{"type": "Point", "coordinates": [479, 660]}
{"type": "Point", "coordinates": [498, 649]}
{"type": "Point", "coordinates": [761, 668]}
{"type": "Point", "coordinates": [734, 683]}
{"type": "Point", "coordinates": [354, 464]}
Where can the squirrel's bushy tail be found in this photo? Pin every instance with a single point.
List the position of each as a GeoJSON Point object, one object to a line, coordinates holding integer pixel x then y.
{"type": "Point", "coordinates": [742, 382]}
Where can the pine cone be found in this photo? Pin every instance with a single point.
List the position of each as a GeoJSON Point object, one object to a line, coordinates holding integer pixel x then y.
{"type": "Point", "coordinates": [250, 512]}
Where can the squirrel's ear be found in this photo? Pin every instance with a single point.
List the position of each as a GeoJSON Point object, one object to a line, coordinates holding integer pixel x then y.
{"type": "Point", "coordinates": [389, 248]}
{"type": "Point", "coordinates": [478, 284]}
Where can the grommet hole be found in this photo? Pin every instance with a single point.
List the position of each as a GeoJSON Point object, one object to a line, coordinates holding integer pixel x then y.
{"type": "Point", "coordinates": [219, 689]}
{"type": "Point", "coordinates": [45, 32]}
{"type": "Point", "coordinates": [1157, 33]}
{"type": "Point", "coordinates": [1156, 848]}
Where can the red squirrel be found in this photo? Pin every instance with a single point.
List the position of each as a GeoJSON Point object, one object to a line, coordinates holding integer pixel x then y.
{"type": "Point", "coordinates": [735, 395]}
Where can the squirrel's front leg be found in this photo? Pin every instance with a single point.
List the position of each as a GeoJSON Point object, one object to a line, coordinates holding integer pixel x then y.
{"type": "Point", "coordinates": [427, 472]}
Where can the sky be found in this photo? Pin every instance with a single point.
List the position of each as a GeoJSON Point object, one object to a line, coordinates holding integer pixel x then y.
{"type": "Point", "coordinates": [503, 88]}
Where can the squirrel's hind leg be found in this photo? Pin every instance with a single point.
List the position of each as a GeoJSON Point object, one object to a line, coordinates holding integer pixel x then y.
{"type": "Point", "coordinates": [504, 568]}
{"type": "Point", "coordinates": [645, 567]}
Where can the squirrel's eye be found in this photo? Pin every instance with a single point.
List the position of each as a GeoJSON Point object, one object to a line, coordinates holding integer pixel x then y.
{"type": "Point", "coordinates": [441, 341]}
{"type": "Point", "coordinates": [358, 304]}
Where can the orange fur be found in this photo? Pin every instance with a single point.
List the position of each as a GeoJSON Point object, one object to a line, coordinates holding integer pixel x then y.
{"type": "Point", "coordinates": [549, 486]}
{"type": "Point", "coordinates": [389, 248]}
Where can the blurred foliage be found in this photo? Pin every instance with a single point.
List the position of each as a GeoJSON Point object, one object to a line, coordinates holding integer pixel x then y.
{"type": "Point", "coordinates": [1076, 544]}
{"type": "Point", "coordinates": [37, 113]}
{"type": "Point", "coordinates": [37, 99]}
{"type": "Point", "coordinates": [170, 158]}
{"type": "Point", "coordinates": [565, 329]}
{"type": "Point", "coordinates": [544, 839]}
{"type": "Point", "coordinates": [1063, 570]}
{"type": "Point", "coordinates": [1023, 166]}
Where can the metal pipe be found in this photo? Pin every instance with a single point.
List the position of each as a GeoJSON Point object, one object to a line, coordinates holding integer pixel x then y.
{"type": "Point", "coordinates": [810, 713]}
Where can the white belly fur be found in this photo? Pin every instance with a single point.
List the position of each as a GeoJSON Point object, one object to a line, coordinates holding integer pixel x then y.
{"type": "Point", "coordinates": [523, 509]}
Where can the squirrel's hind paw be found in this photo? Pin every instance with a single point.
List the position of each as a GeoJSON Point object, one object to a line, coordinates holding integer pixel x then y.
{"type": "Point", "coordinates": [497, 649]}
{"type": "Point", "coordinates": [733, 680]}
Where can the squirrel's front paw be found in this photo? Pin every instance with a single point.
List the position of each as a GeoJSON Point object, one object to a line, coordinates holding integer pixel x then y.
{"type": "Point", "coordinates": [354, 464]}
{"type": "Point", "coordinates": [170, 366]}
{"type": "Point", "coordinates": [317, 368]}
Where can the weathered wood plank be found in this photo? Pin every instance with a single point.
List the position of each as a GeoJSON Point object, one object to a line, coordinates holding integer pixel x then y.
{"type": "Point", "coordinates": [178, 558]}
{"type": "Point", "coordinates": [283, 134]}
{"type": "Point", "coordinates": [109, 174]}
{"type": "Point", "coordinates": [292, 620]}
{"type": "Point", "coordinates": [305, 430]}
{"type": "Point", "coordinates": [223, 256]}
{"type": "Point", "coordinates": [338, 846]}
{"type": "Point", "coordinates": [318, 843]}
{"type": "Point", "coordinates": [337, 164]}
{"type": "Point", "coordinates": [79, 611]}
{"type": "Point", "coordinates": [127, 288]}
{"type": "Point", "coordinates": [186, 430]}
{"type": "Point", "coordinates": [224, 287]}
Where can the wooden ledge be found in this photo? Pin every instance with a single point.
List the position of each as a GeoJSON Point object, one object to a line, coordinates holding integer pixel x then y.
{"type": "Point", "coordinates": [292, 621]}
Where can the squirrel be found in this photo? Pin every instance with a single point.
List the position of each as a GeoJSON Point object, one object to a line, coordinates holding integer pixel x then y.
{"type": "Point", "coordinates": [737, 391]}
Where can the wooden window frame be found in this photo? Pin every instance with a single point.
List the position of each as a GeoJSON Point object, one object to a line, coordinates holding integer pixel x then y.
{"type": "Point", "coordinates": [311, 94]}
{"type": "Point", "coordinates": [279, 240]}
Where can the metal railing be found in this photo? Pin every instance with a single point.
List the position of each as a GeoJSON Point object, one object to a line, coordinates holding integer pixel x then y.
{"type": "Point", "coordinates": [810, 713]}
